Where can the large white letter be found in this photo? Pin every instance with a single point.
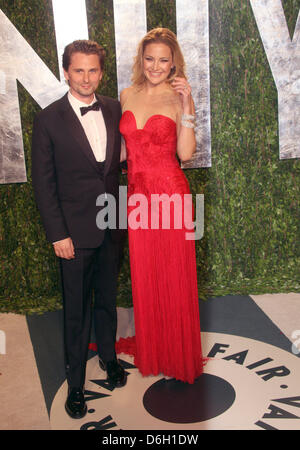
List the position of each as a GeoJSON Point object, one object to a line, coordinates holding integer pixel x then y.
{"type": "Point", "coordinates": [20, 62]}
{"type": "Point", "coordinates": [68, 28]}
{"type": "Point", "coordinates": [284, 59]}
{"type": "Point", "coordinates": [193, 36]}
{"type": "Point", "coordinates": [130, 26]}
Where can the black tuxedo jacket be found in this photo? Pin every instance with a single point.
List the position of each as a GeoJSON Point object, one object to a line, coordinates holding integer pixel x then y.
{"type": "Point", "coordinates": [66, 176]}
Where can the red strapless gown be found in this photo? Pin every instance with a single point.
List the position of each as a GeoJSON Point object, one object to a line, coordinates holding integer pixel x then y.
{"type": "Point", "coordinates": [162, 261]}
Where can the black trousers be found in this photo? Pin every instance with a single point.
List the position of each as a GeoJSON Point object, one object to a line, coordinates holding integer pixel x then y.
{"type": "Point", "coordinates": [92, 271]}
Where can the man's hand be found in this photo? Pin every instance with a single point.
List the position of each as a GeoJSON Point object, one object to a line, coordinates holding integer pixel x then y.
{"type": "Point", "coordinates": [64, 248]}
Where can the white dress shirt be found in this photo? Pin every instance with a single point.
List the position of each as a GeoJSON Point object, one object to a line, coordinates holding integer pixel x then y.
{"type": "Point", "coordinates": [93, 125]}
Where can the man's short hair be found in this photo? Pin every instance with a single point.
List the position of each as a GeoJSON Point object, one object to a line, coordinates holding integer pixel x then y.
{"type": "Point", "coordinates": [83, 46]}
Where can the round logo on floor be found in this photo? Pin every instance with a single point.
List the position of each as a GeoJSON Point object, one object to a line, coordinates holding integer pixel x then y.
{"type": "Point", "coordinates": [173, 401]}
{"type": "Point", "coordinates": [246, 384]}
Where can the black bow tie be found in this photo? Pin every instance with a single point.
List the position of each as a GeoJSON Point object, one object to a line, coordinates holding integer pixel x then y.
{"type": "Point", "coordinates": [94, 107]}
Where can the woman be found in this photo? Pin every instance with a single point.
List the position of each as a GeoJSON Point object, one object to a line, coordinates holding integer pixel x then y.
{"type": "Point", "coordinates": [157, 121]}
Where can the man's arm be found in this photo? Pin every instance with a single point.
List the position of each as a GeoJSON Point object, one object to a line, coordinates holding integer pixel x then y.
{"type": "Point", "coordinates": [44, 183]}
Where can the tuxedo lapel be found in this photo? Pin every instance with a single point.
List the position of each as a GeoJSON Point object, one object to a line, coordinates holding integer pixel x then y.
{"type": "Point", "coordinates": [110, 134]}
{"type": "Point", "coordinates": [76, 130]}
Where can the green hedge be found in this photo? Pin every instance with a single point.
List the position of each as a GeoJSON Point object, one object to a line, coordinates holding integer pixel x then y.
{"type": "Point", "coordinates": [251, 237]}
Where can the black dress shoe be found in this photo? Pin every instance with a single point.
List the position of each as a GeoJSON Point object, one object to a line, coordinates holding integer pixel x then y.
{"type": "Point", "coordinates": [75, 404]}
{"type": "Point", "coordinates": [116, 375]}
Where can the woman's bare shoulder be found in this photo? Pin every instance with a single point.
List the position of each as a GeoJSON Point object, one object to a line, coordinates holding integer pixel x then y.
{"type": "Point", "coordinates": [125, 94]}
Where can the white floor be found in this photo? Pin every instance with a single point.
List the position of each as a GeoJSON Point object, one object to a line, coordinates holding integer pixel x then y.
{"type": "Point", "coordinates": [283, 310]}
{"type": "Point", "coordinates": [24, 408]}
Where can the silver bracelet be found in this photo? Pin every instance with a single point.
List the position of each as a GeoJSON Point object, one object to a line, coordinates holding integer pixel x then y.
{"type": "Point", "coordinates": [187, 124]}
{"type": "Point", "coordinates": [188, 117]}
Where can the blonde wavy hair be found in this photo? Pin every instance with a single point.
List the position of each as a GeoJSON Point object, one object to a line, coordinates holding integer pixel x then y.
{"type": "Point", "coordinates": [164, 36]}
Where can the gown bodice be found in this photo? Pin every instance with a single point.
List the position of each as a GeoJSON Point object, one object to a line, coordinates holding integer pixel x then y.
{"type": "Point", "coordinates": [151, 155]}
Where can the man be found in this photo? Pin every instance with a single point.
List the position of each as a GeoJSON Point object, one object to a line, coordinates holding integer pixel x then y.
{"type": "Point", "coordinates": [75, 158]}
